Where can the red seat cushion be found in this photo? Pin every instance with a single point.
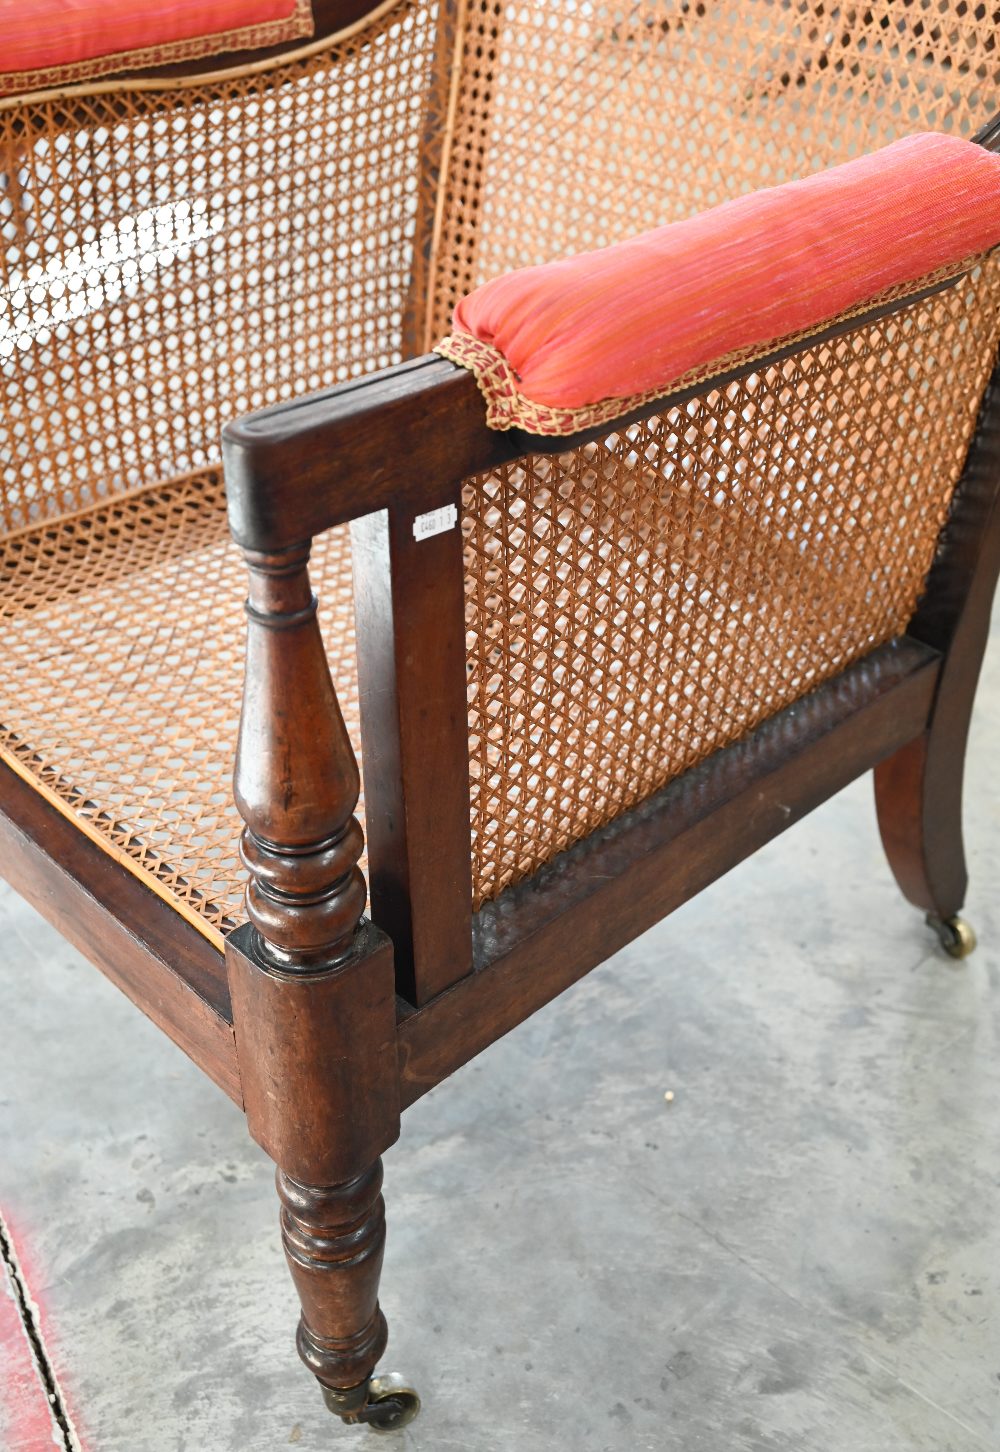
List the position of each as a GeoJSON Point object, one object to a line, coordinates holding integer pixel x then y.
{"type": "Point", "coordinates": [56, 42]}
{"type": "Point", "coordinates": [561, 346]}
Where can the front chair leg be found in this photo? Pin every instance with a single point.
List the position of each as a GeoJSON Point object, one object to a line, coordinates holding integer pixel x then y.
{"type": "Point", "coordinates": [334, 1239]}
{"type": "Point", "coordinates": [313, 994]}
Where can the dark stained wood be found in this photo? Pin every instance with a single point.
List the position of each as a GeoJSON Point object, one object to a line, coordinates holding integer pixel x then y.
{"type": "Point", "coordinates": [543, 935]}
{"type": "Point", "coordinates": [399, 437]}
{"type": "Point", "coordinates": [927, 861]}
{"type": "Point", "coordinates": [334, 1241]}
{"type": "Point", "coordinates": [318, 1056]}
{"type": "Point", "coordinates": [410, 615]}
{"type": "Point", "coordinates": [296, 782]}
{"type": "Point", "coordinates": [918, 791]}
{"type": "Point", "coordinates": [988, 136]}
{"type": "Point", "coordinates": [297, 468]}
{"type": "Point", "coordinates": [312, 988]}
{"type": "Point", "coordinates": [163, 964]}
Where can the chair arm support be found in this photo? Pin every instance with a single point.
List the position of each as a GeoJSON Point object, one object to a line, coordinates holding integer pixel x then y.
{"type": "Point", "coordinates": [311, 983]}
{"type": "Point", "coordinates": [296, 782]}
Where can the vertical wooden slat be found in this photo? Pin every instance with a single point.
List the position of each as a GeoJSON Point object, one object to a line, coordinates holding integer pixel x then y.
{"type": "Point", "coordinates": [410, 608]}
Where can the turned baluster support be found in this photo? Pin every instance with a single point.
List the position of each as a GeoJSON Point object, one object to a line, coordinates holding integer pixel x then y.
{"type": "Point", "coordinates": [312, 987]}
{"type": "Point", "coordinates": [296, 782]}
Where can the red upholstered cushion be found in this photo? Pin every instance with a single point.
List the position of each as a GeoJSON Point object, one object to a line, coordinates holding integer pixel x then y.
{"type": "Point", "coordinates": [633, 319]}
{"type": "Point", "coordinates": [56, 42]}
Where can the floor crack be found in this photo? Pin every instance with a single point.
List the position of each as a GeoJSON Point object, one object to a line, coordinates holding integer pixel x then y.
{"type": "Point", "coordinates": [32, 1330]}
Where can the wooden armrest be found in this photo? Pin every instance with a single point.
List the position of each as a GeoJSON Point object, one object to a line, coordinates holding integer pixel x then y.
{"type": "Point", "coordinates": [405, 435]}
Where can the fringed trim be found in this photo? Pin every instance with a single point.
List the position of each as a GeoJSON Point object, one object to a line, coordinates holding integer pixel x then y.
{"type": "Point", "coordinates": [508, 408]}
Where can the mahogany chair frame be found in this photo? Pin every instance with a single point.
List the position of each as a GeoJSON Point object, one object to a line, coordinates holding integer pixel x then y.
{"type": "Point", "coordinates": [323, 1026]}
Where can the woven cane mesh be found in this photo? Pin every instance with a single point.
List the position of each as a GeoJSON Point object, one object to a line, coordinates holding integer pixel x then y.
{"type": "Point", "coordinates": [580, 124]}
{"type": "Point", "coordinates": [175, 258]}
{"type": "Point", "coordinates": [172, 259]}
{"type": "Point", "coordinates": [127, 716]}
{"type": "Point", "coordinates": [635, 605]}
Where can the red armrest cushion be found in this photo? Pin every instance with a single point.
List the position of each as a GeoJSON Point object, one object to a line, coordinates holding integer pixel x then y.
{"type": "Point", "coordinates": [47, 43]}
{"type": "Point", "coordinates": [559, 347]}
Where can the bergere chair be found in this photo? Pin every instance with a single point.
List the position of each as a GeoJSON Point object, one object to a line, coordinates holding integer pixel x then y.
{"type": "Point", "coordinates": [669, 541]}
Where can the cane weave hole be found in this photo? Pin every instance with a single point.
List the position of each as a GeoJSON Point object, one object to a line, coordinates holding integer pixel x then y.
{"type": "Point", "coordinates": [636, 604]}
{"type": "Point", "coordinates": [121, 674]}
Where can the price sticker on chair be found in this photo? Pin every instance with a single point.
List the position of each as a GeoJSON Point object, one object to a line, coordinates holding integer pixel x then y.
{"type": "Point", "coordinates": [435, 521]}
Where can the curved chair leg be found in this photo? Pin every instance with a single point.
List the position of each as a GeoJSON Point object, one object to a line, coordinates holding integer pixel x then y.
{"type": "Point", "coordinates": [918, 790]}
{"type": "Point", "coordinates": [918, 796]}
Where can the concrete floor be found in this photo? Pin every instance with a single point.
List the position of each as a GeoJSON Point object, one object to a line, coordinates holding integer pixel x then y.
{"type": "Point", "coordinates": [800, 1253]}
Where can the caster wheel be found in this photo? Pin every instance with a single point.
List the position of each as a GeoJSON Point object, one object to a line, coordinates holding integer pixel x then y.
{"type": "Point", "coordinates": [954, 934]}
{"type": "Point", "coordinates": [391, 1404]}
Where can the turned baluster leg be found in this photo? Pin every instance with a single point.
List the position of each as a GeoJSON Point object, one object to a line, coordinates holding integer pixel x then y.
{"type": "Point", "coordinates": [313, 992]}
{"type": "Point", "coordinates": [334, 1239]}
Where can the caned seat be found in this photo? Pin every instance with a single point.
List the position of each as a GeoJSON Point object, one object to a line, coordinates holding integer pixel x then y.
{"type": "Point", "coordinates": [121, 678]}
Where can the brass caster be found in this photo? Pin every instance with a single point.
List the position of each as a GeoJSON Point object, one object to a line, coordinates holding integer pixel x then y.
{"type": "Point", "coordinates": [954, 934]}
{"type": "Point", "coordinates": [385, 1403]}
{"type": "Point", "coordinates": [392, 1404]}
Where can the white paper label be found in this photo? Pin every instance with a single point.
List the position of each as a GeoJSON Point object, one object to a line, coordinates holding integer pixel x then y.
{"type": "Point", "coordinates": [435, 521]}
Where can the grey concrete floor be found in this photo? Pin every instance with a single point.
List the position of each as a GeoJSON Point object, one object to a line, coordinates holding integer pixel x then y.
{"type": "Point", "coordinates": [799, 1253]}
